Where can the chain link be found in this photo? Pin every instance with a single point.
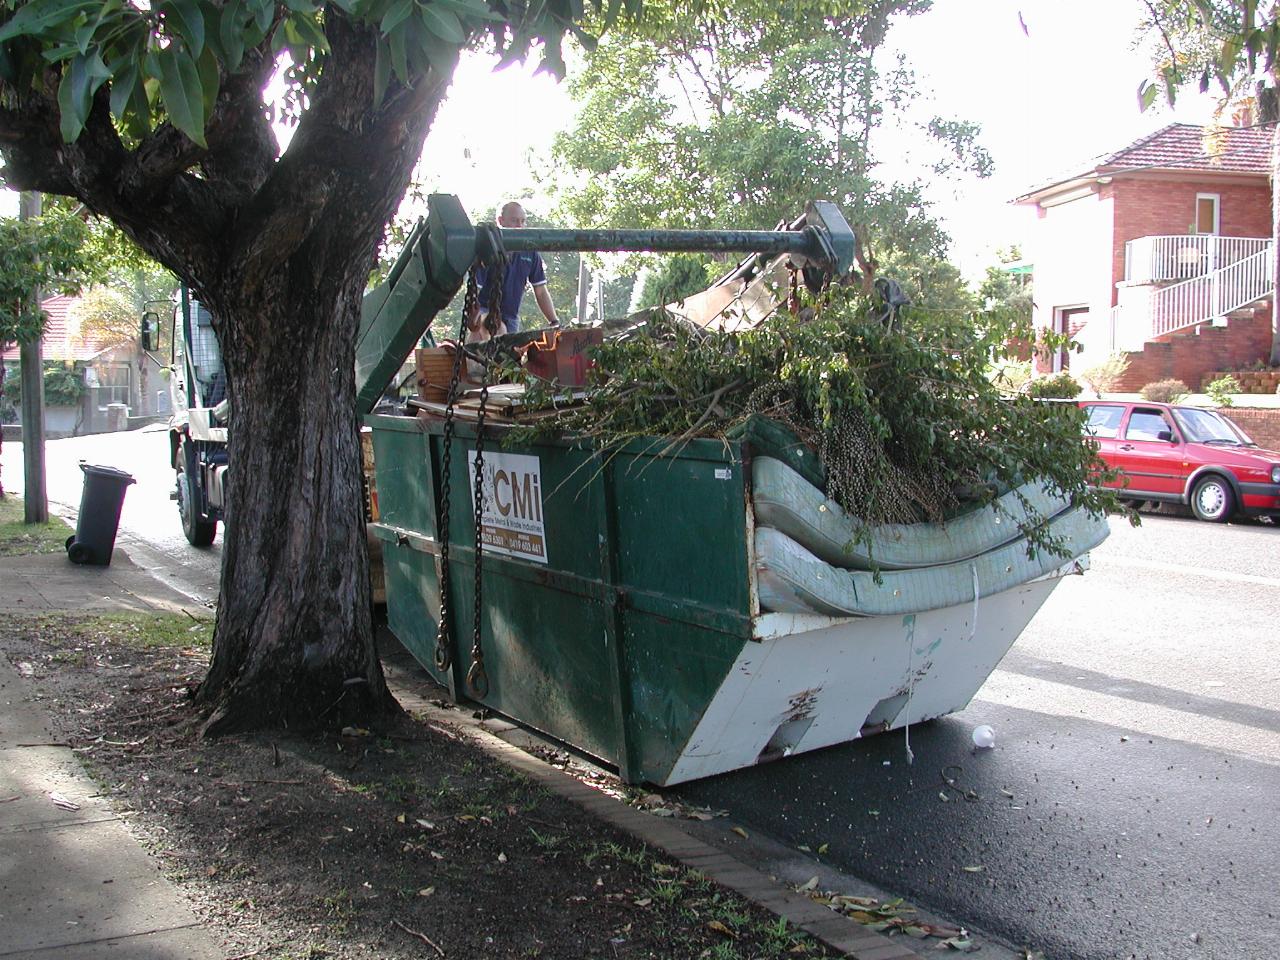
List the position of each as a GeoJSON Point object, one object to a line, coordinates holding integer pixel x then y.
{"type": "Point", "coordinates": [444, 647]}
{"type": "Point", "coordinates": [477, 677]}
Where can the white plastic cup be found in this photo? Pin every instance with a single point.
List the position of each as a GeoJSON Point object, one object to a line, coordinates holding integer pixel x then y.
{"type": "Point", "coordinates": [984, 738]}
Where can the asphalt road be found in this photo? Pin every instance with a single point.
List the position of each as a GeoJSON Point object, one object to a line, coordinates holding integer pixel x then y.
{"type": "Point", "coordinates": [1130, 805]}
{"type": "Point", "coordinates": [149, 524]}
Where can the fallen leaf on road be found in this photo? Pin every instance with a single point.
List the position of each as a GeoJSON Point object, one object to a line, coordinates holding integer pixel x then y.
{"type": "Point", "coordinates": [60, 801]}
{"type": "Point", "coordinates": [643, 902]}
{"type": "Point", "coordinates": [823, 848]}
{"type": "Point", "coordinates": [810, 884]}
{"type": "Point", "coordinates": [720, 928]}
{"type": "Point", "coordinates": [426, 891]}
{"type": "Point", "coordinates": [742, 833]}
{"type": "Point", "coordinates": [978, 869]}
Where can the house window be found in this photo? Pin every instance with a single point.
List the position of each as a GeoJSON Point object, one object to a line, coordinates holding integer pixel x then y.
{"type": "Point", "coordinates": [113, 383]}
{"type": "Point", "coordinates": [1207, 213]}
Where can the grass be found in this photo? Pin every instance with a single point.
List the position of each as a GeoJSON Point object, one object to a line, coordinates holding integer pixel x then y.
{"type": "Point", "coordinates": [147, 631]}
{"type": "Point", "coordinates": [18, 538]}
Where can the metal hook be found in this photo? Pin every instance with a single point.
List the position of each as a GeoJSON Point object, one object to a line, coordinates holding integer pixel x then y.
{"type": "Point", "coordinates": [477, 681]}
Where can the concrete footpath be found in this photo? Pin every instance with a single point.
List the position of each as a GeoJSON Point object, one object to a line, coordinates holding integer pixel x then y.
{"type": "Point", "coordinates": [74, 883]}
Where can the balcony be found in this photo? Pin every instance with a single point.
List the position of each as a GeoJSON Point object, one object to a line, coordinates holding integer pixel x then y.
{"type": "Point", "coordinates": [1173, 258]}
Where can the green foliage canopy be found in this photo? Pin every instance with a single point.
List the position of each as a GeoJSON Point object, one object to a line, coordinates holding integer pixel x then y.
{"type": "Point", "coordinates": [46, 253]}
{"type": "Point", "coordinates": [178, 54]}
{"type": "Point", "coordinates": [1210, 42]}
{"type": "Point", "coordinates": [705, 117]}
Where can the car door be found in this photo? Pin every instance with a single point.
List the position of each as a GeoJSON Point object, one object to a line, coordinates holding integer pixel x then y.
{"type": "Point", "coordinates": [1102, 428]}
{"type": "Point", "coordinates": [1149, 452]}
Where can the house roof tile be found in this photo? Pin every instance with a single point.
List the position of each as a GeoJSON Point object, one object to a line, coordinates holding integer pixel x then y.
{"type": "Point", "coordinates": [1186, 146]}
{"type": "Point", "coordinates": [62, 339]}
{"type": "Point", "coordinates": [1179, 146]}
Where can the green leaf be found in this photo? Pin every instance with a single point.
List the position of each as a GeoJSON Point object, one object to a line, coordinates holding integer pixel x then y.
{"type": "Point", "coordinates": [1147, 93]}
{"type": "Point", "coordinates": [231, 33]}
{"type": "Point", "coordinates": [180, 88]}
{"type": "Point", "coordinates": [304, 31]}
{"type": "Point", "coordinates": [399, 61]}
{"type": "Point", "coordinates": [185, 18]}
{"type": "Point", "coordinates": [137, 118]}
{"type": "Point", "coordinates": [207, 68]}
{"type": "Point", "coordinates": [440, 55]}
{"type": "Point", "coordinates": [122, 85]}
{"type": "Point", "coordinates": [396, 15]}
{"type": "Point", "coordinates": [264, 13]}
{"type": "Point", "coordinates": [40, 15]}
{"type": "Point", "coordinates": [476, 9]}
{"type": "Point", "coordinates": [81, 79]}
{"type": "Point", "coordinates": [381, 71]}
{"type": "Point", "coordinates": [444, 24]}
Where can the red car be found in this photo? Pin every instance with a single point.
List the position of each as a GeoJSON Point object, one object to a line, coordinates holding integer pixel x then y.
{"type": "Point", "coordinates": [1185, 455]}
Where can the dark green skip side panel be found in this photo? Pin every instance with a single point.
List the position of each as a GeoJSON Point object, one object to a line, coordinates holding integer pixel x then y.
{"type": "Point", "coordinates": [616, 644]}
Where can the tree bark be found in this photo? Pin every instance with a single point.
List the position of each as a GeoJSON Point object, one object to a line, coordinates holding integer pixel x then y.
{"type": "Point", "coordinates": [294, 637]}
{"type": "Point", "coordinates": [280, 250]}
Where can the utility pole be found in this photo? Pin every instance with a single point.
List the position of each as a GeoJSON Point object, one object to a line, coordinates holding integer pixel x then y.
{"type": "Point", "coordinates": [35, 499]}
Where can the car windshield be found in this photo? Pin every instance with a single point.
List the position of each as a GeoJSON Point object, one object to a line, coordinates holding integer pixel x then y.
{"type": "Point", "coordinates": [1205, 426]}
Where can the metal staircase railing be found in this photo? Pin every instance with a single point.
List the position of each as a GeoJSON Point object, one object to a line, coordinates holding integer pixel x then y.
{"type": "Point", "coordinates": [1213, 295]}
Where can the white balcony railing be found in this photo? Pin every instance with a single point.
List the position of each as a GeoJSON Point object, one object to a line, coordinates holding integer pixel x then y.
{"type": "Point", "coordinates": [1206, 298]}
{"type": "Point", "coordinates": [1154, 259]}
{"type": "Point", "coordinates": [1147, 312]}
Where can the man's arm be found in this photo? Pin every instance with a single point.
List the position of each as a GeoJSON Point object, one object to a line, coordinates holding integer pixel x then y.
{"type": "Point", "coordinates": [548, 308]}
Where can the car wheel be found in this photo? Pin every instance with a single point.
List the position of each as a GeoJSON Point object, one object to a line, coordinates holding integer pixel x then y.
{"type": "Point", "coordinates": [199, 533]}
{"type": "Point", "coordinates": [1213, 500]}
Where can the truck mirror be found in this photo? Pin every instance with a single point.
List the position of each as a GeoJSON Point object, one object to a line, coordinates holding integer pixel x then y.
{"type": "Point", "coordinates": [150, 331]}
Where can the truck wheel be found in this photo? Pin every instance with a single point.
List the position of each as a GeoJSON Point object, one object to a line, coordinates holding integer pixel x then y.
{"type": "Point", "coordinates": [199, 532]}
{"type": "Point", "coordinates": [1212, 500]}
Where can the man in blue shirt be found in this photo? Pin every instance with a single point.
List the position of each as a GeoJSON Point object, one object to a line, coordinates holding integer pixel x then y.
{"type": "Point", "coordinates": [523, 269]}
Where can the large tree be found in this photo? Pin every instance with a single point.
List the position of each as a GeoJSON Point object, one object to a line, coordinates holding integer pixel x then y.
{"type": "Point", "coordinates": [152, 115]}
{"type": "Point", "coordinates": [1233, 46]}
{"type": "Point", "coordinates": [699, 117]}
{"type": "Point", "coordinates": [45, 253]}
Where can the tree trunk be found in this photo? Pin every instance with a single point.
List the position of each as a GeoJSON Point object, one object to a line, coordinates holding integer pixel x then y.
{"type": "Point", "coordinates": [294, 633]}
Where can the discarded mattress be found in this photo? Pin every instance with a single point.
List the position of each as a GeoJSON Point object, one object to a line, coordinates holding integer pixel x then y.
{"type": "Point", "coordinates": [790, 579]}
{"type": "Point", "coordinates": [787, 502]}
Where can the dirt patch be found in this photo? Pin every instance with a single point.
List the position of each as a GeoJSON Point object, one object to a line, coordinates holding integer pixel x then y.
{"type": "Point", "coordinates": [407, 844]}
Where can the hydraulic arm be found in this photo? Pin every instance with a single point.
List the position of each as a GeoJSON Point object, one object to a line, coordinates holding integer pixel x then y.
{"type": "Point", "coordinates": [434, 262]}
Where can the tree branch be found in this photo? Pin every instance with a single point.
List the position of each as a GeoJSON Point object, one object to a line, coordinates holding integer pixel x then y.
{"type": "Point", "coordinates": [347, 165]}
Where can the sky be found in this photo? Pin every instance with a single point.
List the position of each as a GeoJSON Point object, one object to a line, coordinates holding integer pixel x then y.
{"type": "Point", "coordinates": [1048, 99]}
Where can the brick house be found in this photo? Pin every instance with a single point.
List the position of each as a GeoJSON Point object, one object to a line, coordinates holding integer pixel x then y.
{"type": "Point", "coordinates": [1160, 251]}
{"type": "Point", "coordinates": [113, 374]}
